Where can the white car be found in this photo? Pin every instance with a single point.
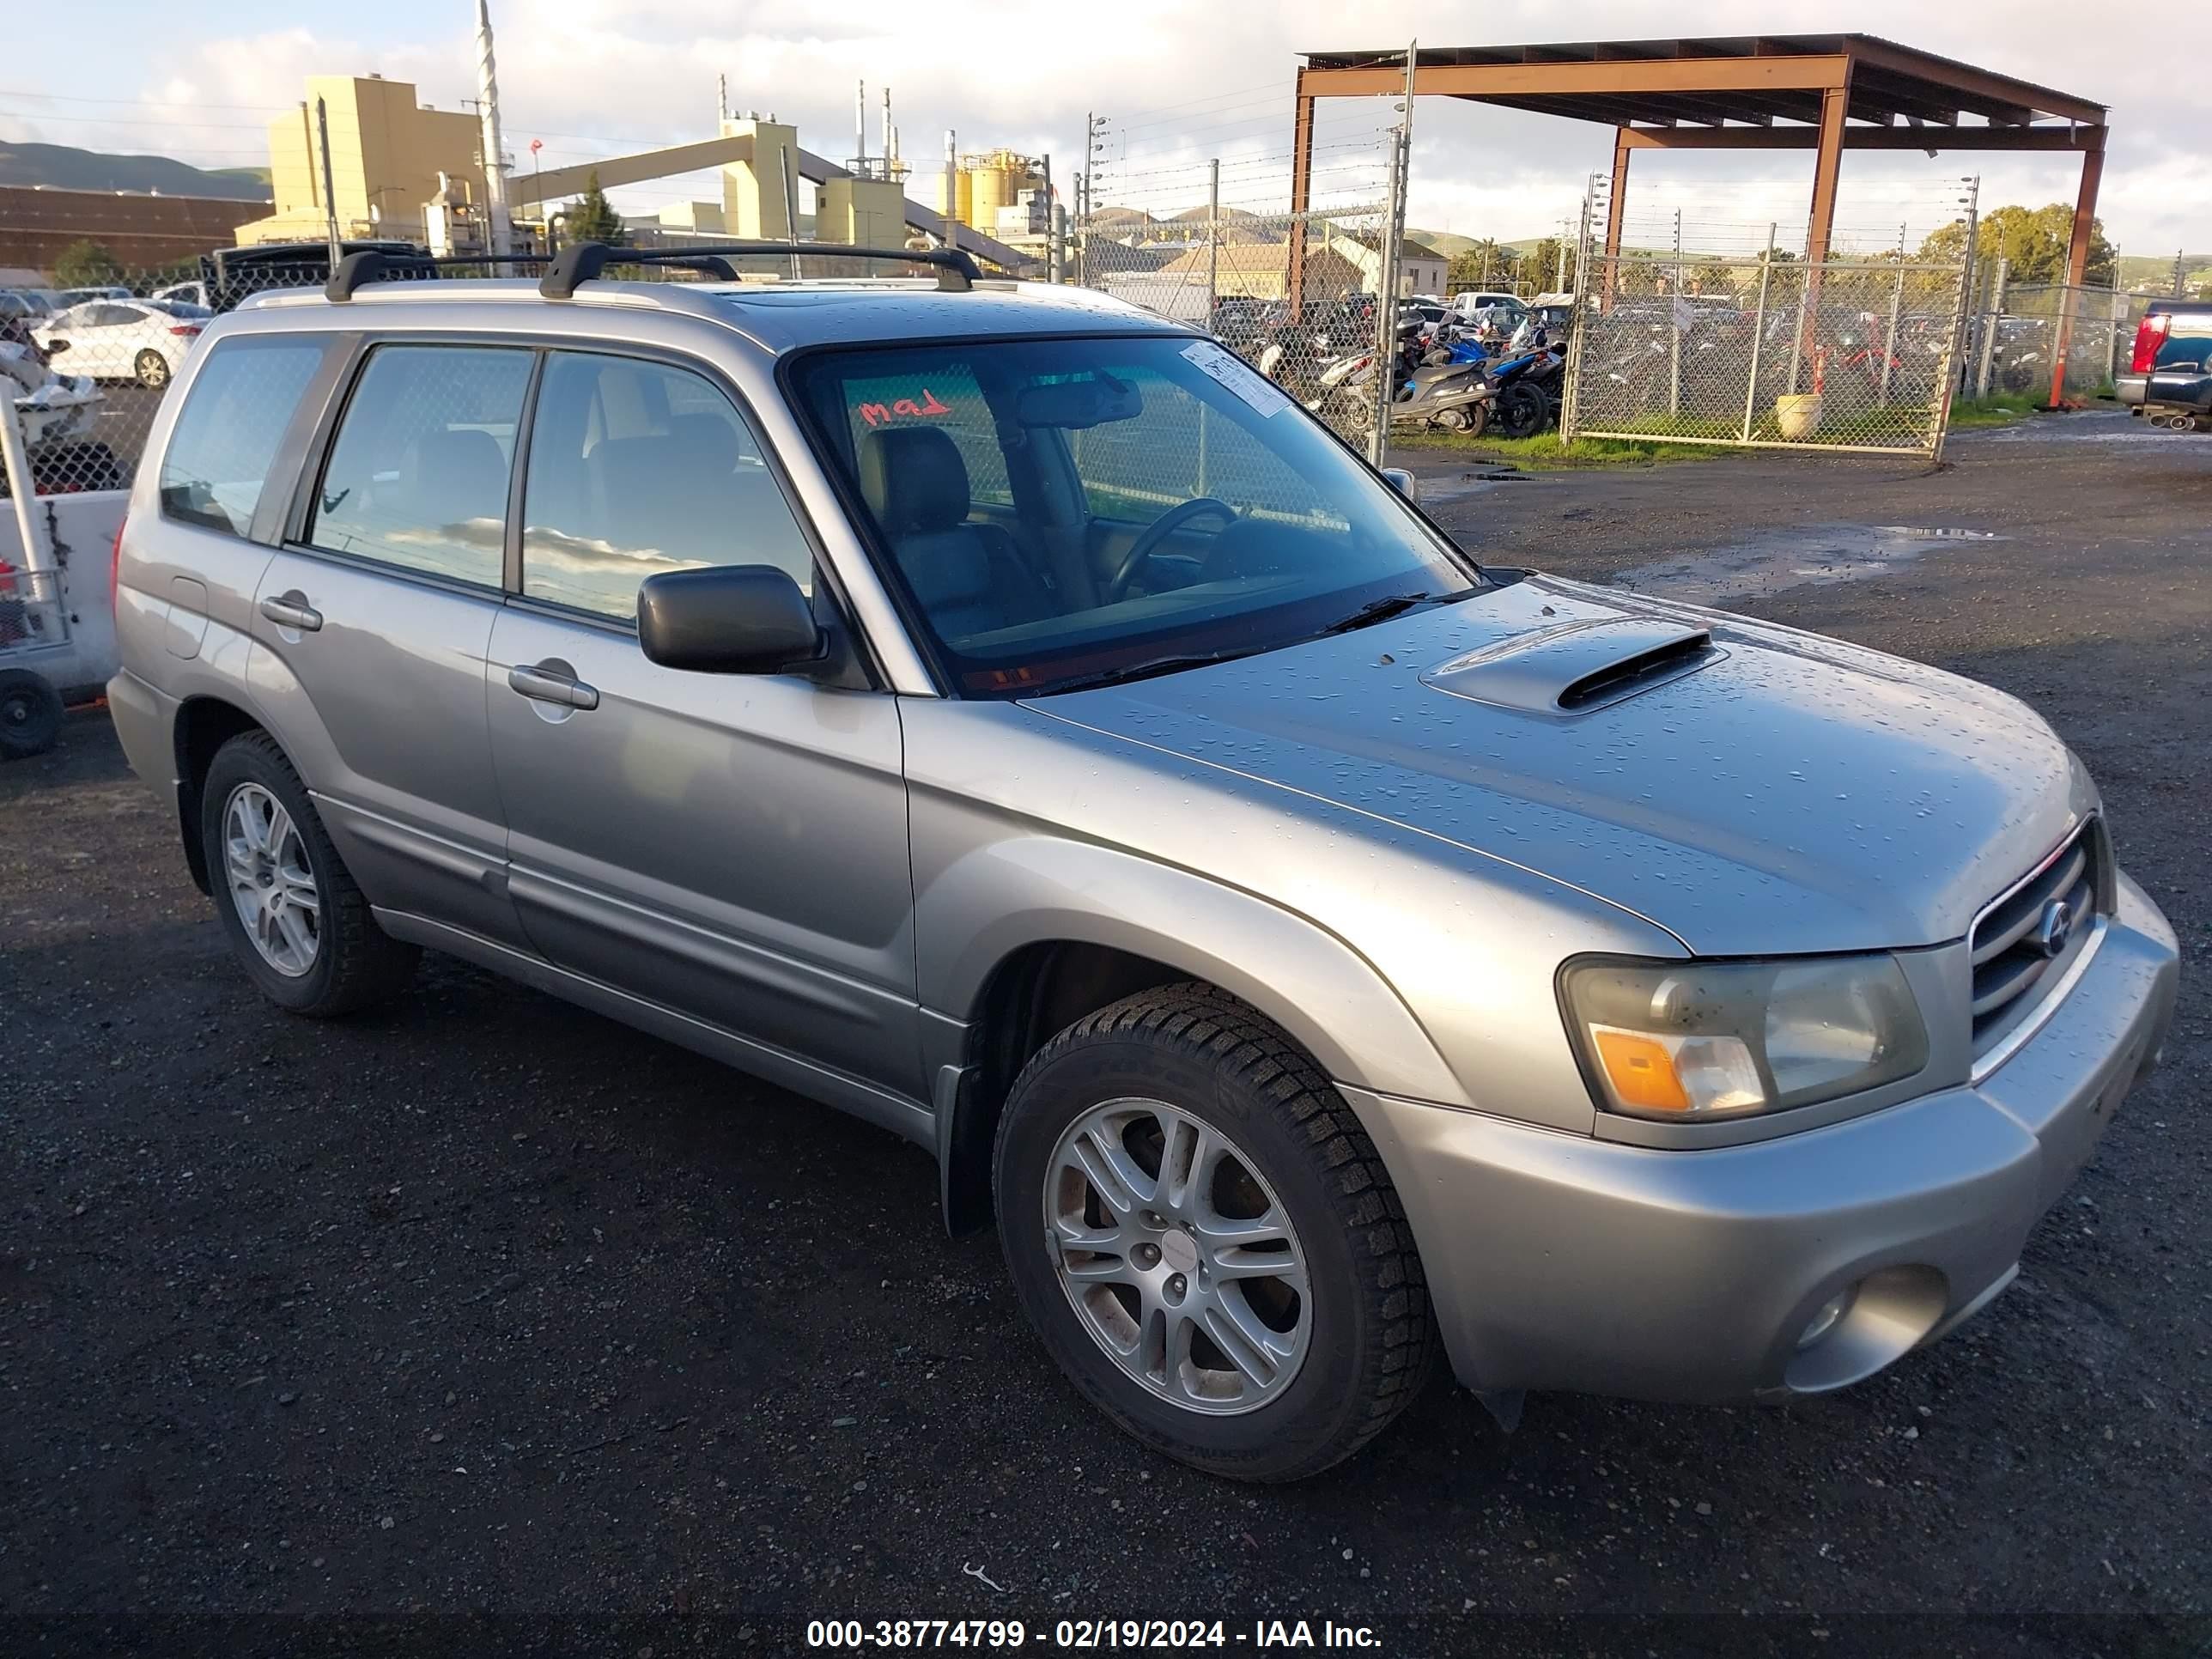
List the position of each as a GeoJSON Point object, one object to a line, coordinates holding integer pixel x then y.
{"type": "Point", "coordinates": [192, 293]}
{"type": "Point", "coordinates": [142, 340]}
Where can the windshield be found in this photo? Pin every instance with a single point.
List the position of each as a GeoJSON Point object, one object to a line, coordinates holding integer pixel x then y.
{"type": "Point", "coordinates": [1072, 512]}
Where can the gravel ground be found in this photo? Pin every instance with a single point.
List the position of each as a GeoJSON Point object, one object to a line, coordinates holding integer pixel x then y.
{"type": "Point", "coordinates": [482, 1323]}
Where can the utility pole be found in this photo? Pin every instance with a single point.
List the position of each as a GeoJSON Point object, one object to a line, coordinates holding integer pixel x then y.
{"type": "Point", "coordinates": [2178, 256]}
{"type": "Point", "coordinates": [1051, 228]}
{"type": "Point", "coordinates": [330, 203]}
{"type": "Point", "coordinates": [1212, 239]}
{"type": "Point", "coordinates": [498, 224]}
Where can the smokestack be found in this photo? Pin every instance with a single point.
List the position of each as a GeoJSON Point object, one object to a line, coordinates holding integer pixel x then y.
{"type": "Point", "coordinates": [496, 215]}
{"type": "Point", "coordinates": [860, 128]}
{"type": "Point", "coordinates": [721, 98]}
{"type": "Point", "coordinates": [951, 173]}
{"type": "Point", "coordinates": [887, 130]}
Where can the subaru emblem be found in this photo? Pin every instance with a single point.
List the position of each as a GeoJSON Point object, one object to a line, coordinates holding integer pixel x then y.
{"type": "Point", "coordinates": [2056, 927]}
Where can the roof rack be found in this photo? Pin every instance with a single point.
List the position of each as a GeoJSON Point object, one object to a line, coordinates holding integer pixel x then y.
{"type": "Point", "coordinates": [582, 262]}
{"type": "Point", "coordinates": [375, 264]}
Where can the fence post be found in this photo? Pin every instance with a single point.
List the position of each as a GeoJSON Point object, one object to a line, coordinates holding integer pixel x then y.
{"type": "Point", "coordinates": [1989, 320]}
{"type": "Point", "coordinates": [1675, 328]}
{"type": "Point", "coordinates": [1212, 239]}
{"type": "Point", "coordinates": [1386, 239]}
{"type": "Point", "coordinates": [1896, 306]}
{"type": "Point", "coordinates": [1758, 333]}
{"type": "Point", "coordinates": [22, 488]}
{"type": "Point", "coordinates": [2114, 315]}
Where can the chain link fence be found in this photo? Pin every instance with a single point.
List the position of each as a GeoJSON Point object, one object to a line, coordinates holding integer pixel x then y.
{"type": "Point", "coordinates": [1843, 355]}
{"type": "Point", "coordinates": [1237, 275]}
{"type": "Point", "coordinates": [2014, 336]}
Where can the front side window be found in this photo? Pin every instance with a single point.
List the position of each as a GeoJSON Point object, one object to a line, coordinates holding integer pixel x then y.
{"type": "Point", "coordinates": [418, 477]}
{"type": "Point", "coordinates": [1165, 503]}
{"type": "Point", "coordinates": [235, 415]}
{"type": "Point", "coordinates": [635, 468]}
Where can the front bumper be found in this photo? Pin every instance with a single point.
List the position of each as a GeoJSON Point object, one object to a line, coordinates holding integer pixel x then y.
{"type": "Point", "coordinates": [1561, 1261]}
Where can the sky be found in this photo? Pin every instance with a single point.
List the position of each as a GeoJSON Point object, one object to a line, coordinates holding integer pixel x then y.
{"type": "Point", "coordinates": [1180, 81]}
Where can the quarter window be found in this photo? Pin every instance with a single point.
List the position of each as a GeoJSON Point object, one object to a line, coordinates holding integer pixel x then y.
{"type": "Point", "coordinates": [418, 477]}
{"type": "Point", "coordinates": [234, 418]}
{"type": "Point", "coordinates": [637, 468]}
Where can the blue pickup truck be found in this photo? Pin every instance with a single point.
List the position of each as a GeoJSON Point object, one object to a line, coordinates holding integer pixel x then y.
{"type": "Point", "coordinates": [2170, 376]}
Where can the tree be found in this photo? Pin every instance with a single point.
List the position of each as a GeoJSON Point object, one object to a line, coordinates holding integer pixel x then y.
{"type": "Point", "coordinates": [1540, 264]}
{"type": "Point", "coordinates": [87, 264]}
{"type": "Point", "coordinates": [1481, 264]}
{"type": "Point", "coordinates": [591, 218]}
{"type": "Point", "coordinates": [1713, 277]}
{"type": "Point", "coordinates": [2031, 241]}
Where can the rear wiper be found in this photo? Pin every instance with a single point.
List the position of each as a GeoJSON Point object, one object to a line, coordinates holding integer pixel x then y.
{"type": "Point", "coordinates": [1376, 610]}
{"type": "Point", "coordinates": [1142, 670]}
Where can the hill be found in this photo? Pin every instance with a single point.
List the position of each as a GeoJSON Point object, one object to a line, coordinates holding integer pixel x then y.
{"type": "Point", "coordinates": [62, 166]}
{"type": "Point", "coordinates": [2139, 271]}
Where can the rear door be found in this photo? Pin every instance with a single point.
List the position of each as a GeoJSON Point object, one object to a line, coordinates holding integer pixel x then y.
{"type": "Point", "coordinates": [732, 846]}
{"type": "Point", "coordinates": [371, 627]}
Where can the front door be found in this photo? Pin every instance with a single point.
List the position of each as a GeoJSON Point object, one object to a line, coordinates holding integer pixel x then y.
{"type": "Point", "coordinates": [733, 846]}
{"type": "Point", "coordinates": [370, 636]}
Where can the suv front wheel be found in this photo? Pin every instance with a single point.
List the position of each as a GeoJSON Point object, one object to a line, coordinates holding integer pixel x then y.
{"type": "Point", "coordinates": [294, 918]}
{"type": "Point", "coordinates": [1206, 1239]}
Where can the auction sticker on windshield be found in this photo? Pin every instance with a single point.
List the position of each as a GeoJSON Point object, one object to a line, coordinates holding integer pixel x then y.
{"type": "Point", "coordinates": [1239, 376]}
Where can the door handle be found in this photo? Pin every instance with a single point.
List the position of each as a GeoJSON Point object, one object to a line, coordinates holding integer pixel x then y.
{"type": "Point", "coordinates": [548, 682]}
{"type": "Point", "coordinates": [291, 610]}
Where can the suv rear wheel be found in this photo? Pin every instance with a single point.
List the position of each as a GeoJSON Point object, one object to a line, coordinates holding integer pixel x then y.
{"type": "Point", "coordinates": [1206, 1239]}
{"type": "Point", "coordinates": [294, 918]}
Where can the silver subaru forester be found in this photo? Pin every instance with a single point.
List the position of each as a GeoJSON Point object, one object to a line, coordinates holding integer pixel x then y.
{"type": "Point", "coordinates": [999, 713]}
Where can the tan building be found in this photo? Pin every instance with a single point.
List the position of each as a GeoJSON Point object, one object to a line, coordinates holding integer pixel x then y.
{"type": "Point", "coordinates": [387, 152]}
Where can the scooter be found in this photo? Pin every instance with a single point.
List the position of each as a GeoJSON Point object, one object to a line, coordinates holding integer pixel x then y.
{"type": "Point", "coordinates": [1454, 395]}
{"type": "Point", "coordinates": [1527, 391]}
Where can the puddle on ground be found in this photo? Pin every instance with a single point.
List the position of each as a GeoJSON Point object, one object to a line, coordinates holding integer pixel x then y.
{"type": "Point", "coordinates": [1799, 556]}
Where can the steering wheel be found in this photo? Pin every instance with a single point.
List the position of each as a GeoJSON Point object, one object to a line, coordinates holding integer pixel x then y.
{"type": "Point", "coordinates": [1150, 538]}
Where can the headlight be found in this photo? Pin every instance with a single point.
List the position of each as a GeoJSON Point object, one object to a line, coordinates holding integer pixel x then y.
{"type": "Point", "coordinates": [1690, 1040]}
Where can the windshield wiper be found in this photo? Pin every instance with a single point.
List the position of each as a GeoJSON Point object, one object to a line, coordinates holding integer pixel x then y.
{"type": "Point", "coordinates": [1376, 610]}
{"type": "Point", "coordinates": [1145, 671]}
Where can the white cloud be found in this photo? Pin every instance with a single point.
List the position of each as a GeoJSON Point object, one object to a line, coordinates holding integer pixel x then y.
{"type": "Point", "coordinates": [1185, 80]}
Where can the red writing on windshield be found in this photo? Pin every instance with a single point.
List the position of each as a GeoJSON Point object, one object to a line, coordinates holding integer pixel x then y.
{"type": "Point", "coordinates": [904, 409]}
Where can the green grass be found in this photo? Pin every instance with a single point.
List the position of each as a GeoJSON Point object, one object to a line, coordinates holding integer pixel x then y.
{"type": "Point", "coordinates": [1544, 453]}
{"type": "Point", "coordinates": [1998, 409]}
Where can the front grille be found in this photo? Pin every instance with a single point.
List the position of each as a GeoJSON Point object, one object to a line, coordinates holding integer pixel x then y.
{"type": "Point", "coordinates": [2014, 965]}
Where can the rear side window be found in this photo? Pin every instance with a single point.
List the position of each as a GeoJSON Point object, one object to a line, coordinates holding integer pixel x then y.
{"type": "Point", "coordinates": [226, 433]}
{"type": "Point", "coordinates": [418, 476]}
{"type": "Point", "coordinates": [635, 468]}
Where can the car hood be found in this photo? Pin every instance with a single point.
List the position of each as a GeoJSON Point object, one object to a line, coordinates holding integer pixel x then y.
{"type": "Point", "coordinates": [1753, 790]}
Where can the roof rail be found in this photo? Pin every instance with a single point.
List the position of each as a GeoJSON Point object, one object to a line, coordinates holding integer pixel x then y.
{"type": "Point", "coordinates": [375, 264]}
{"type": "Point", "coordinates": [582, 262]}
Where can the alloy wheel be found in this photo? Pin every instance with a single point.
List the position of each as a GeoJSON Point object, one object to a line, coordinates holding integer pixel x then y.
{"type": "Point", "coordinates": [1177, 1257]}
{"type": "Point", "coordinates": [272, 886]}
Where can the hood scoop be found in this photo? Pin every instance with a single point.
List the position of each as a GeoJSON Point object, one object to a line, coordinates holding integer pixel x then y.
{"type": "Point", "coordinates": [1577, 666]}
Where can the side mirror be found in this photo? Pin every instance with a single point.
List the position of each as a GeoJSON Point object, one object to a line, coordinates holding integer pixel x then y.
{"type": "Point", "coordinates": [1403, 481]}
{"type": "Point", "coordinates": [727, 619]}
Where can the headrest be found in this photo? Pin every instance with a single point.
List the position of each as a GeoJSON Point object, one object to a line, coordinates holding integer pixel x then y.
{"type": "Point", "coordinates": [459, 474]}
{"type": "Point", "coordinates": [706, 443]}
{"type": "Point", "coordinates": [915, 479]}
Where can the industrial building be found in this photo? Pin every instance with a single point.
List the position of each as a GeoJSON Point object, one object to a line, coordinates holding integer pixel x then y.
{"type": "Point", "coordinates": [389, 158]}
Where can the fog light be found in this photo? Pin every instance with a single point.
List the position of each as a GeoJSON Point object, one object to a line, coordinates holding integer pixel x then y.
{"type": "Point", "coordinates": [1830, 1315]}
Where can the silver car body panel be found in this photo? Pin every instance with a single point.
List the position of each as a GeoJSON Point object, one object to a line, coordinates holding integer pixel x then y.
{"type": "Point", "coordinates": [1388, 842]}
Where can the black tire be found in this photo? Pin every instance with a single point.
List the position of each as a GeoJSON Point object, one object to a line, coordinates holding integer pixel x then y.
{"type": "Point", "coordinates": [1371, 1340]}
{"type": "Point", "coordinates": [356, 962]}
{"type": "Point", "coordinates": [30, 713]}
{"type": "Point", "coordinates": [1520, 412]}
{"type": "Point", "coordinates": [151, 369]}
